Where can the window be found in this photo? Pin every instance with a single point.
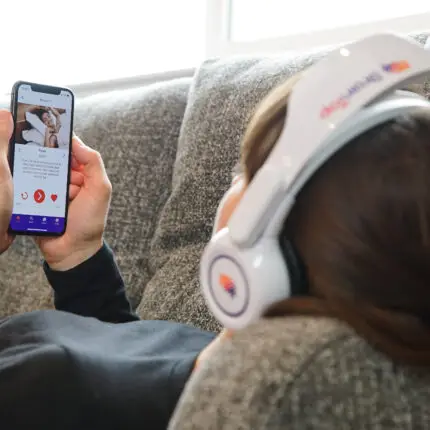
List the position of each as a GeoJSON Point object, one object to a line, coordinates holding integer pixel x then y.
{"type": "Point", "coordinates": [278, 25]}
{"type": "Point", "coordinates": [80, 42]}
{"type": "Point", "coordinates": [67, 42]}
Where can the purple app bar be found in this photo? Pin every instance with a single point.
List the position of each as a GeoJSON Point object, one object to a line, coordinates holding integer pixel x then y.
{"type": "Point", "coordinates": [37, 224]}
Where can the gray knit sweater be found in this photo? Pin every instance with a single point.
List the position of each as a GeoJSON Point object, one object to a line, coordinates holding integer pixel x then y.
{"type": "Point", "coordinates": [302, 373]}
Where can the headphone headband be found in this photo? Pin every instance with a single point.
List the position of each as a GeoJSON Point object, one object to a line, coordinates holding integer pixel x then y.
{"type": "Point", "coordinates": [318, 108]}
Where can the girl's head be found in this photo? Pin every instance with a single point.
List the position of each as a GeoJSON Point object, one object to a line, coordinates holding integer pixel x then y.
{"type": "Point", "coordinates": [44, 116]}
{"type": "Point", "coordinates": [361, 228]}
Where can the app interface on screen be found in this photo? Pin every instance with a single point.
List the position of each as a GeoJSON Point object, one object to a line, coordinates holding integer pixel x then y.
{"type": "Point", "coordinates": [41, 158]}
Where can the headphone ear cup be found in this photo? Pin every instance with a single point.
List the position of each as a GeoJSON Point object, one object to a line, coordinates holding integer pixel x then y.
{"type": "Point", "coordinates": [296, 268]}
{"type": "Point", "coordinates": [240, 284]}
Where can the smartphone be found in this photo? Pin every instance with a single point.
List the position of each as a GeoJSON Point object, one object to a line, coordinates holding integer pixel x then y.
{"type": "Point", "coordinates": [40, 156]}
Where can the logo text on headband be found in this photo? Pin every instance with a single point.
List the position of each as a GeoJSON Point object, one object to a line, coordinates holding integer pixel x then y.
{"type": "Point", "coordinates": [343, 101]}
{"type": "Point", "coordinates": [396, 67]}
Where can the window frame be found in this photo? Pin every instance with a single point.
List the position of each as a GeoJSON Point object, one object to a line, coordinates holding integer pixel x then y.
{"type": "Point", "coordinates": [90, 88]}
{"type": "Point", "coordinates": [219, 43]}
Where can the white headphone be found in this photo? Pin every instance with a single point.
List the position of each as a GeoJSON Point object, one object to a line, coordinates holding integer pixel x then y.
{"type": "Point", "coordinates": [353, 89]}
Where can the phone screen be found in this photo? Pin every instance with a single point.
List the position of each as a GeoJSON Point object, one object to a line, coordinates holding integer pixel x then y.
{"type": "Point", "coordinates": [40, 158]}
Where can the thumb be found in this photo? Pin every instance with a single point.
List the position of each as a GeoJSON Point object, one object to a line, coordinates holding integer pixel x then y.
{"type": "Point", "coordinates": [88, 158]}
{"type": "Point", "coordinates": [6, 129]}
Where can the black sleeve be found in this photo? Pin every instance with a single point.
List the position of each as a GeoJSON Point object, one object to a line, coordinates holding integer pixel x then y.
{"type": "Point", "coordinates": [95, 289]}
{"type": "Point", "coordinates": [62, 371]}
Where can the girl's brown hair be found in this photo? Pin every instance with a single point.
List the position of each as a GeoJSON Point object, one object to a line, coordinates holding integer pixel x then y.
{"type": "Point", "coordinates": [361, 227]}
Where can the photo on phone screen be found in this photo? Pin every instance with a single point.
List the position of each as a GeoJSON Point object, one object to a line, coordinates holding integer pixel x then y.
{"type": "Point", "coordinates": [40, 156]}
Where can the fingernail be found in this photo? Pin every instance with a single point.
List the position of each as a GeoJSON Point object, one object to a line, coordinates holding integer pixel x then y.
{"type": "Point", "coordinates": [78, 139]}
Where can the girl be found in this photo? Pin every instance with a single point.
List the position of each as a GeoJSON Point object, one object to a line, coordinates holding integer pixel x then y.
{"type": "Point", "coordinates": [353, 350]}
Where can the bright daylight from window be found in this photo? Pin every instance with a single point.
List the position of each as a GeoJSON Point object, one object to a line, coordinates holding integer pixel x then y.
{"type": "Point", "coordinates": [251, 20]}
{"type": "Point", "coordinates": [67, 42]}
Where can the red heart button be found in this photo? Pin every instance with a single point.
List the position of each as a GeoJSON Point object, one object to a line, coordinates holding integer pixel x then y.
{"type": "Point", "coordinates": [53, 197]}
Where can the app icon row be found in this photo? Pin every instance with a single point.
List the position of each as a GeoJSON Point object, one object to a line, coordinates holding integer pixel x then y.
{"type": "Point", "coordinates": [39, 196]}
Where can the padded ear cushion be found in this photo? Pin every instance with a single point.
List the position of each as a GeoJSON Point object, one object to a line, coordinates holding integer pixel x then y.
{"type": "Point", "coordinates": [296, 268]}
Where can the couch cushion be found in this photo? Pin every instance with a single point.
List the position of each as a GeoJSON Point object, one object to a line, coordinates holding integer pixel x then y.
{"type": "Point", "coordinates": [136, 132]}
{"type": "Point", "coordinates": [221, 101]}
